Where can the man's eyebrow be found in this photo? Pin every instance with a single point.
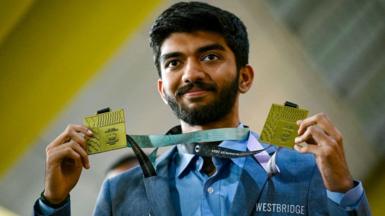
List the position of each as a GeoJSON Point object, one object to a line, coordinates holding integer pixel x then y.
{"type": "Point", "coordinates": [211, 47]}
{"type": "Point", "coordinates": [169, 55]}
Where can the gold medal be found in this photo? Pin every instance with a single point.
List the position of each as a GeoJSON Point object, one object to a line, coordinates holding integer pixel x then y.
{"type": "Point", "coordinates": [280, 127]}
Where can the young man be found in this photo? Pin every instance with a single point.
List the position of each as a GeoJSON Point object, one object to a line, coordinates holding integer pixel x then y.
{"type": "Point", "coordinates": [201, 53]}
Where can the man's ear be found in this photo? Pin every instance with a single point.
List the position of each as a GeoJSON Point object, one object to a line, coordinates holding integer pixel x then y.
{"type": "Point", "coordinates": [246, 77]}
{"type": "Point", "coordinates": [161, 91]}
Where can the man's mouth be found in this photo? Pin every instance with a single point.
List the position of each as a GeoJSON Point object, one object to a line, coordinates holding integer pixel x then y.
{"type": "Point", "coordinates": [195, 89]}
{"type": "Point", "coordinates": [195, 92]}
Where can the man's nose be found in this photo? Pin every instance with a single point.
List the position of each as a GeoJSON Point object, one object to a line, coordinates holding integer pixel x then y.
{"type": "Point", "coordinates": [193, 71]}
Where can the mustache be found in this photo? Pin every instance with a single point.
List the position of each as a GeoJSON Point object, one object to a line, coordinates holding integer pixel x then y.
{"type": "Point", "coordinates": [199, 85]}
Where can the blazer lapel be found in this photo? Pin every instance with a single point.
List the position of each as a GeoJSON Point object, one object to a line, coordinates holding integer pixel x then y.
{"type": "Point", "coordinates": [251, 183]}
{"type": "Point", "coordinates": [158, 189]}
{"type": "Point", "coordinates": [158, 194]}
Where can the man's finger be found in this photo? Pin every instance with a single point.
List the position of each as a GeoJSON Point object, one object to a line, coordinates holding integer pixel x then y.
{"type": "Point", "coordinates": [78, 139]}
{"type": "Point", "coordinates": [313, 133]}
{"type": "Point", "coordinates": [323, 122]}
{"type": "Point", "coordinates": [82, 129]}
{"type": "Point", "coordinates": [72, 149]}
{"type": "Point", "coordinates": [306, 148]}
{"type": "Point", "coordinates": [69, 133]}
{"type": "Point", "coordinates": [317, 137]}
{"type": "Point", "coordinates": [312, 120]}
{"type": "Point", "coordinates": [307, 136]}
{"type": "Point", "coordinates": [82, 153]}
{"type": "Point", "coordinates": [305, 123]}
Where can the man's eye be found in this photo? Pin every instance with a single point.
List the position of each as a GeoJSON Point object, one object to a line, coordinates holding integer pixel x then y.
{"type": "Point", "coordinates": [210, 57]}
{"type": "Point", "coordinates": [171, 64]}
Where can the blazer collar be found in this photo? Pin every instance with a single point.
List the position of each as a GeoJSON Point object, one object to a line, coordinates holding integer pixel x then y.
{"type": "Point", "coordinates": [157, 187]}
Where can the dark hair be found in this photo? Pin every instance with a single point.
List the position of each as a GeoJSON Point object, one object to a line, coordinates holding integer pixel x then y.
{"type": "Point", "coordinates": [198, 16]}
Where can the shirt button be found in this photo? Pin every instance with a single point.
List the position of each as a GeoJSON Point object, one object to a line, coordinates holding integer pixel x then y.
{"type": "Point", "coordinates": [210, 189]}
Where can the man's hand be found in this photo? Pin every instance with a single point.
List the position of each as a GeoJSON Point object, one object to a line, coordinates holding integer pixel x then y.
{"type": "Point", "coordinates": [324, 140]}
{"type": "Point", "coordinates": [65, 158]}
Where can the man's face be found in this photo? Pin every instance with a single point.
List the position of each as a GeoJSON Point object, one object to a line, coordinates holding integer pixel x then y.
{"type": "Point", "coordinates": [199, 76]}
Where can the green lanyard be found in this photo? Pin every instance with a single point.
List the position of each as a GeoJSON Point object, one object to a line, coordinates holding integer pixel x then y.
{"type": "Point", "coordinates": [192, 139]}
{"type": "Point", "coordinates": [213, 135]}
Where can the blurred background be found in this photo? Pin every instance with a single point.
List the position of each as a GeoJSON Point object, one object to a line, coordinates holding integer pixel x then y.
{"type": "Point", "coordinates": [63, 60]}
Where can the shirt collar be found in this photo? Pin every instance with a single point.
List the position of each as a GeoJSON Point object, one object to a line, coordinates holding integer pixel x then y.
{"type": "Point", "coordinates": [184, 158]}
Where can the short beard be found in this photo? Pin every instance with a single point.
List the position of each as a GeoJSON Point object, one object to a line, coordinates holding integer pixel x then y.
{"type": "Point", "coordinates": [219, 108]}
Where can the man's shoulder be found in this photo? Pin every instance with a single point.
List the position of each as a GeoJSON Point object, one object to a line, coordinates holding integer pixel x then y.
{"type": "Point", "coordinates": [130, 178]}
{"type": "Point", "coordinates": [135, 174]}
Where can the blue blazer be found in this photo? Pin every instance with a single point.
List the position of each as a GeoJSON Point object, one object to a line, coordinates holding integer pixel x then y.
{"type": "Point", "coordinates": [297, 190]}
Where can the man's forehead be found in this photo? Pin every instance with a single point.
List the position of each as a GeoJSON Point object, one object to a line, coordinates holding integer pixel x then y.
{"type": "Point", "coordinates": [190, 41]}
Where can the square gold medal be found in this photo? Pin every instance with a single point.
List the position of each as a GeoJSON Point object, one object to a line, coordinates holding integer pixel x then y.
{"type": "Point", "coordinates": [109, 131]}
{"type": "Point", "coordinates": [280, 127]}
